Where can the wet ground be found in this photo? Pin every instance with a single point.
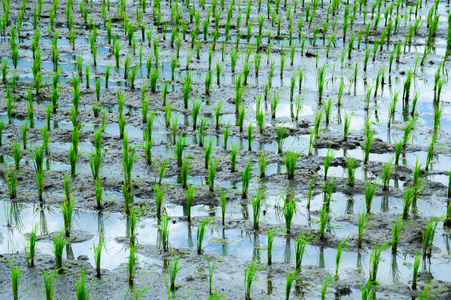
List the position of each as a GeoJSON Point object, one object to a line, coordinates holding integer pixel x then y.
{"type": "Point", "coordinates": [237, 243]}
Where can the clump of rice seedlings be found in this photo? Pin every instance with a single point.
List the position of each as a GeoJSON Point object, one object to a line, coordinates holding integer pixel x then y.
{"type": "Point", "coordinates": [208, 152]}
{"type": "Point", "coordinates": [369, 139]}
{"type": "Point", "coordinates": [201, 231]}
{"type": "Point", "coordinates": [262, 163]}
{"type": "Point", "coordinates": [195, 112]}
{"type": "Point", "coordinates": [159, 199]}
{"type": "Point", "coordinates": [37, 155]}
{"type": "Point", "coordinates": [67, 210]}
{"type": "Point", "coordinates": [218, 114]}
{"type": "Point", "coordinates": [10, 104]}
{"type": "Point", "coordinates": [131, 266]}
{"type": "Point", "coordinates": [246, 176]}
{"type": "Point", "coordinates": [408, 132]}
{"type": "Point", "coordinates": [185, 172]}
{"type": "Point", "coordinates": [17, 152]}
{"type": "Point", "coordinates": [340, 248]}
{"type": "Point", "coordinates": [162, 170]}
{"type": "Point", "coordinates": [257, 207]}
{"type": "Point", "coordinates": [387, 171]}
{"type": "Point", "coordinates": [289, 210]}
{"type": "Point", "coordinates": [190, 194]}
{"type": "Point", "coordinates": [327, 110]}
{"type": "Point", "coordinates": [82, 291]}
{"type": "Point", "coordinates": [416, 265]}
{"type": "Point", "coordinates": [240, 118]}
{"type": "Point", "coordinates": [320, 81]}
{"type": "Point", "coordinates": [429, 235]}
{"type": "Point", "coordinates": [323, 221]}
{"type": "Point", "coordinates": [163, 230]}
{"type": "Point", "coordinates": [397, 227]}
{"type": "Point", "coordinates": [73, 158]}
{"type": "Point", "coordinates": [16, 276]}
{"type": "Point", "coordinates": [25, 135]}
{"type": "Point", "coordinates": [249, 277]}
{"type": "Point", "coordinates": [223, 202]}
{"type": "Point", "coordinates": [310, 190]}
{"type": "Point", "coordinates": [48, 284]}
{"type": "Point", "coordinates": [95, 161]}
{"type": "Point", "coordinates": [350, 170]}
{"type": "Point", "coordinates": [375, 259]}
{"type": "Point", "coordinates": [346, 125]}
{"type": "Point", "coordinates": [417, 183]}
{"type": "Point", "coordinates": [367, 290]}
{"type": "Point", "coordinates": [174, 270]}
{"type": "Point", "coordinates": [30, 246]}
{"type": "Point", "coordinates": [290, 277]}
{"type": "Point", "coordinates": [98, 256]}
{"type": "Point", "coordinates": [233, 153]}
{"type": "Point", "coordinates": [12, 181]}
{"type": "Point", "coordinates": [250, 136]}
{"type": "Point", "coordinates": [363, 221]}
{"type": "Point", "coordinates": [59, 241]}
{"type": "Point", "coordinates": [280, 131]}
{"type": "Point", "coordinates": [370, 192]}
{"type": "Point", "coordinates": [45, 134]}
{"type": "Point", "coordinates": [327, 161]}
{"type": "Point", "coordinates": [133, 222]}
{"type": "Point", "coordinates": [179, 149]}
{"type": "Point", "coordinates": [290, 158]}
{"type": "Point", "coordinates": [272, 233]}
{"type": "Point", "coordinates": [325, 284]}
{"type": "Point", "coordinates": [299, 250]}
{"type": "Point", "coordinates": [275, 99]}
{"type": "Point", "coordinates": [398, 149]}
{"type": "Point", "coordinates": [408, 196]}
{"type": "Point", "coordinates": [226, 134]}
{"type": "Point", "coordinates": [2, 126]}
{"type": "Point", "coordinates": [212, 174]}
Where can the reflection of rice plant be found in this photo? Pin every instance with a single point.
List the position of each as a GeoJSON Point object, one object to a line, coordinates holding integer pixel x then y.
{"type": "Point", "coordinates": [310, 190]}
{"type": "Point", "coordinates": [272, 233]}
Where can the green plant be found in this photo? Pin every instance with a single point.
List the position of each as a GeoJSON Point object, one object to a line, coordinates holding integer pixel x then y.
{"type": "Point", "coordinates": [416, 265]}
{"type": "Point", "coordinates": [369, 139]}
{"type": "Point", "coordinates": [67, 210]}
{"type": "Point", "coordinates": [325, 284]}
{"type": "Point", "coordinates": [429, 235]}
{"type": "Point", "coordinates": [212, 174]}
{"type": "Point", "coordinates": [16, 276]}
{"type": "Point", "coordinates": [131, 266]}
{"type": "Point", "coordinates": [12, 181]}
{"type": "Point", "coordinates": [370, 192]}
{"type": "Point", "coordinates": [179, 148]}
{"type": "Point", "coordinates": [195, 112]}
{"type": "Point", "coordinates": [323, 220]}
{"type": "Point", "coordinates": [98, 255]}
{"type": "Point", "coordinates": [37, 155]}
{"type": "Point", "coordinates": [163, 229]}
{"type": "Point", "coordinates": [223, 202]}
{"type": "Point", "coordinates": [159, 199]}
{"type": "Point", "coordinates": [375, 260]}
{"type": "Point", "coordinates": [310, 190]}
{"type": "Point", "coordinates": [246, 175]}
{"type": "Point", "coordinates": [133, 223]}
{"type": "Point", "coordinates": [262, 162]}
{"type": "Point", "coordinates": [350, 170]}
{"type": "Point", "coordinates": [211, 270]}
{"type": "Point", "coordinates": [289, 210]}
{"type": "Point", "coordinates": [257, 206]}
{"type": "Point", "coordinates": [249, 276]}
{"type": "Point", "coordinates": [280, 131]}
{"type": "Point", "coordinates": [17, 152]}
{"type": "Point", "coordinates": [340, 248]}
{"type": "Point", "coordinates": [299, 250]}
{"type": "Point", "coordinates": [82, 291]}
{"type": "Point", "coordinates": [233, 154]}
{"type": "Point", "coordinates": [30, 246]}
{"type": "Point", "coordinates": [174, 270]}
{"type": "Point", "coordinates": [290, 158]}
{"type": "Point", "coordinates": [362, 224]}
{"type": "Point", "coordinates": [73, 158]}
{"type": "Point", "coordinates": [190, 194]}
{"type": "Point", "coordinates": [201, 231]}
{"type": "Point", "coordinates": [48, 284]}
{"type": "Point", "coordinates": [327, 161]}
{"type": "Point", "coordinates": [59, 241]}
{"type": "Point", "coordinates": [408, 196]}
{"type": "Point", "coordinates": [291, 276]}
{"type": "Point", "coordinates": [272, 233]}
{"type": "Point", "coordinates": [387, 171]}
{"type": "Point", "coordinates": [185, 172]}
{"type": "Point", "coordinates": [346, 125]}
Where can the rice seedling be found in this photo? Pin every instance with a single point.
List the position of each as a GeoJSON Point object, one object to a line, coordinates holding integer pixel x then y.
{"type": "Point", "coordinates": [159, 199]}
{"type": "Point", "coordinates": [223, 203]}
{"type": "Point", "coordinates": [289, 210]}
{"type": "Point", "coordinates": [37, 155]}
{"type": "Point", "coordinates": [324, 218]}
{"type": "Point", "coordinates": [185, 172]}
{"type": "Point", "coordinates": [163, 230]}
{"type": "Point", "coordinates": [346, 125]}
{"type": "Point", "coordinates": [131, 266]}
{"type": "Point", "coordinates": [17, 152]}
{"type": "Point", "coordinates": [325, 284]}
{"type": "Point", "coordinates": [240, 117]}
{"type": "Point", "coordinates": [281, 134]}
{"type": "Point", "coordinates": [290, 158]}
{"type": "Point", "coordinates": [299, 250]}
{"type": "Point", "coordinates": [275, 99]}
{"type": "Point", "coordinates": [375, 259]}
{"type": "Point", "coordinates": [190, 194]}
{"type": "Point", "coordinates": [416, 265]}
{"type": "Point", "coordinates": [340, 248]}
{"type": "Point", "coordinates": [370, 192]}
{"type": "Point", "coordinates": [350, 170]}
{"type": "Point", "coordinates": [99, 192]}
{"type": "Point", "coordinates": [67, 209]}
{"type": "Point", "coordinates": [407, 201]}
{"type": "Point", "coordinates": [320, 80]}
{"type": "Point", "coordinates": [10, 104]}
{"type": "Point", "coordinates": [201, 231]}
{"type": "Point", "coordinates": [2, 126]}
{"type": "Point", "coordinates": [310, 190]}
{"type": "Point", "coordinates": [73, 158]}
{"type": "Point", "coordinates": [249, 277]}
{"type": "Point", "coordinates": [179, 149]}
{"type": "Point", "coordinates": [133, 223]}
{"type": "Point", "coordinates": [48, 284]}
{"type": "Point", "coordinates": [226, 134]}
{"type": "Point", "coordinates": [12, 181]}
{"type": "Point", "coordinates": [250, 135]}
{"type": "Point", "coordinates": [369, 139]}
{"type": "Point", "coordinates": [59, 241]}
{"type": "Point", "coordinates": [16, 276]}
{"type": "Point", "coordinates": [290, 278]}
{"type": "Point", "coordinates": [429, 235]}
{"type": "Point", "coordinates": [212, 173]}
{"type": "Point", "coordinates": [262, 163]}
{"type": "Point", "coordinates": [363, 221]}
{"type": "Point", "coordinates": [397, 227]}
{"type": "Point", "coordinates": [67, 187]}
{"type": "Point", "coordinates": [30, 246]}
{"type": "Point", "coordinates": [246, 175]}
{"type": "Point", "coordinates": [82, 291]}
{"type": "Point", "coordinates": [257, 207]}
{"type": "Point", "coordinates": [327, 161]}
{"type": "Point", "coordinates": [387, 171]}
{"type": "Point", "coordinates": [174, 270]}
{"type": "Point", "coordinates": [195, 112]}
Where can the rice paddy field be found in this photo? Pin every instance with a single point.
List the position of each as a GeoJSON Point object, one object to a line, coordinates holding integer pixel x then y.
{"type": "Point", "coordinates": [217, 149]}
